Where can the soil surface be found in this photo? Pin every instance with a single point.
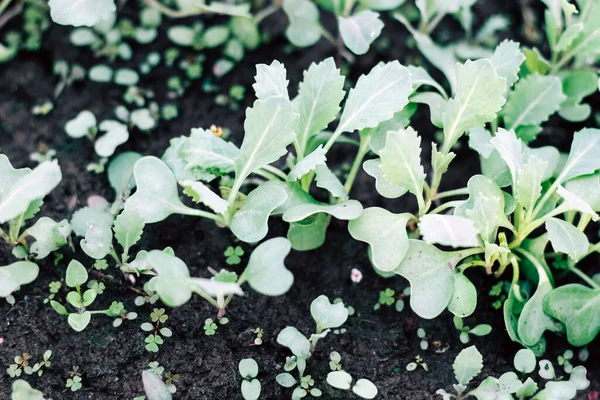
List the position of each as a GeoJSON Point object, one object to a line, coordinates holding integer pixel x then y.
{"type": "Point", "coordinates": [377, 344]}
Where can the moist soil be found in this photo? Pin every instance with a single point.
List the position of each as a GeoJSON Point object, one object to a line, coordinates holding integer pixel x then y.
{"type": "Point", "coordinates": [377, 344]}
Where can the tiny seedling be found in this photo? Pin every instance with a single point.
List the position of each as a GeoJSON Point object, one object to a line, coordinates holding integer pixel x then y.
{"type": "Point", "coordinates": [465, 331]}
{"type": "Point", "coordinates": [363, 388]}
{"type": "Point", "coordinates": [417, 363]}
{"type": "Point", "coordinates": [154, 339]}
{"type": "Point", "coordinates": [251, 387]}
{"type": "Point", "coordinates": [233, 255]}
{"type": "Point", "coordinates": [74, 380]}
{"type": "Point", "coordinates": [210, 327]}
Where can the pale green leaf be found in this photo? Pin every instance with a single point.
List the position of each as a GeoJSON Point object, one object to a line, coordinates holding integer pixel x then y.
{"type": "Point", "coordinates": [79, 321]}
{"type": "Point", "coordinates": [566, 238]}
{"type": "Point", "coordinates": [270, 80]}
{"type": "Point", "coordinates": [209, 152]}
{"type": "Point", "coordinates": [120, 173]}
{"type": "Point", "coordinates": [308, 164]}
{"type": "Point", "coordinates": [467, 365]}
{"type": "Point", "coordinates": [381, 5]}
{"type": "Point", "coordinates": [116, 134]}
{"type": "Point", "coordinates": [584, 157]}
{"type": "Point", "coordinates": [339, 379]}
{"type": "Point", "coordinates": [529, 182]}
{"type": "Point", "coordinates": [49, 236]}
{"type": "Point", "coordinates": [128, 228]}
{"type": "Point", "coordinates": [436, 103]}
{"type": "Point", "coordinates": [507, 60]}
{"type": "Point", "coordinates": [576, 86]}
{"type": "Point", "coordinates": [401, 160]}
{"type": "Point", "coordinates": [82, 125]}
{"type": "Point", "coordinates": [449, 230]}
{"type": "Point", "coordinates": [154, 387]}
{"type": "Point", "coordinates": [97, 242]}
{"type": "Point", "coordinates": [359, 30]}
{"type": "Point", "coordinates": [525, 361]}
{"type": "Point", "coordinates": [21, 390]}
{"type": "Point", "coordinates": [14, 275]}
{"type": "Point", "coordinates": [376, 97]}
{"type": "Point", "coordinates": [365, 388]}
{"type": "Point", "coordinates": [534, 99]}
{"type": "Point", "coordinates": [309, 234]}
{"type": "Point", "coordinates": [33, 186]}
{"type": "Point", "coordinates": [318, 103]}
{"type": "Point", "coordinates": [385, 233]}
{"type": "Point", "coordinates": [347, 210]}
{"type": "Point", "coordinates": [251, 389]}
{"type": "Point", "coordinates": [573, 202]}
{"type": "Point", "coordinates": [325, 179]}
{"type": "Point", "coordinates": [266, 272]}
{"type": "Point", "coordinates": [419, 76]}
{"type": "Point", "coordinates": [200, 193]}
{"type": "Point", "coordinates": [327, 315]}
{"type": "Point", "coordinates": [81, 12]}
{"type": "Point", "coordinates": [9, 176]}
{"type": "Point", "coordinates": [291, 338]}
{"type": "Point", "coordinates": [383, 186]}
{"type": "Point", "coordinates": [586, 188]}
{"type": "Point", "coordinates": [478, 98]}
{"type": "Point", "coordinates": [304, 29]}
{"type": "Point", "coordinates": [464, 296]}
{"type": "Point", "coordinates": [512, 150]}
{"type": "Point", "coordinates": [76, 274]}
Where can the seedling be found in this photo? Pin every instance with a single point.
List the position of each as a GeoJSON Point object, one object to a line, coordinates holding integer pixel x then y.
{"type": "Point", "coordinates": [21, 390]}
{"type": "Point", "coordinates": [210, 328]}
{"type": "Point", "coordinates": [259, 336]}
{"type": "Point", "coordinates": [465, 331]}
{"type": "Point", "coordinates": [417, 363]}
{"type": "Point", "coordinates": [340, 379]}
{"type": "Point", "coordinates": [233, 255]}
{"type": "Point", "coordinates": [154, 339]}
{"type": "Point", "coordinates": [74, 380]}
{"type": "Point", "coordinates": [251, 386]}
{"type": "Point", "coordinates": [335, 361]}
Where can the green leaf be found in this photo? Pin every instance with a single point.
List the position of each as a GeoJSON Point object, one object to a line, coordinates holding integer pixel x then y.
{"type": "Point", "coordinates": [586, 188]}
{"type": "Point", "coordinates": [154, 387]}
{"type": "Point", "coordinates": [98, 240]}
{"type": "Point", "coordinates": [578, 308]}
{"type": "Point", "coordinates": [467, 365]}
{"type": "Point", "coordinates": [528, 388]}
{"type": "Point", "coordinates": [327, 315]}
{"type": "Point", "coordinates": [376, 97]}
{"type": "Point", "coordinates": [207, 152]}
{"type": "Point", "coordinates": [250, 223]}
{"type": "Point", "coordinates": [286, 379]}
{"type": "Point", "coordinates": [82, 125]}
{"type": "Point", "coordinates": [21, 390]}
{"type": "Point", "coordinates": [385, 233]}
{"type": "Point", "coordinates": [309, 234]}
{"type": "Point", "coordinates": [347, 210]}
{"type": "Point", "coordinates": [49, 236]}
{"type": "Point", "coordinates": [325, 179]}
{"type": "Point", "coordinates": [525, 361]}
{"type": "Point", "coordinates": [309, 163]}
{"type": "Point", "coordinates": [14, 275]}
{"type": "Point", "coordinates": [507, 60]}
{"type": "Point", "coordinates": [88, 297]}
{"type": "Point", "coordinates": [33, 186]}
{"type": "Point", "coordinates": [529, 182]}
{"type": "Point", "coordinates": [577, 85]}
{"type": "Point", "coordinates": [248, 368]}
{"type": "Point", "coordinates": [81, 12]}
{"type": "Point", "coordinates": [449, 230]}
{"type": "Point", "coordinates": [9, 176]}
{"type": "Point", "coordinates": [383, 186]}
{"type": "Point", "coordinates": [339, 380]}
{"type": "Point", "coordinates": [430, 273]}
{"type": "Point", "coordinates": [359, 30]}
{"type": "Point", "coordinates": [464, 296]}
{"type": "Point", "coordinates": [512, 150]}
{"type": "Point", "coordinates": [291, 338]}
{"type": "Point", "coordinates": [120, 173]}
{"type": "Point", "coordinates": [79, 321]}
{"type": "Point", "coordinates": [76, 274]}
{"type": "Point", "coordinates": [269, 129]}
{"type": "Point", "coordinates": [251, 389]}
{"type": "Point", "coordinates": [534, 99]}
{"type": "Point", "coordinates": [419, 76]}
{"type": "Point", "coordinates": [266, 272]}
{"type": "Point", "coordinates": [116, 134]}
{"type": "Point", "coordinates": [128, 228]}
{"type": "Point", "coordinates": [270, 80]}
{"type": "Point", "coordinates": [558, 390]}
{"type": "Point", "coordinates": [304, 29]}
{"type": "Point", "coordinates": [401, 161]}
{"type": "Point", "coordinates": [97, 213]}
{"type": "Point", "coordinates": [318, 103]}
{"type": "Point", "coordinates": [436, 103]}
{"type": "Point", "coordinates": [365, 388]}
{"type": "Point", "coordinates": [381, 5]}
{"type": "Point", "coordinates": [566, 238]}
{"type": "Point", "coordinates": [59, 308]}
{"type": "Point", "coordinates": [443, 58]}
{"type": "Point", "coordinates": [172, 283]}
{"type": "Point", "coordinates": [156, 196]}
{"type": "Point", "coordinates": [584, 157]}
{"type": "Point", "coordinates": [201, 193]}
{"type": "Point", "coordinates": [479, 96]}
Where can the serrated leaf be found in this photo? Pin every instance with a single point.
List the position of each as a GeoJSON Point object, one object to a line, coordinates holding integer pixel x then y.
{"type": "Point", "coordinates": [401, 161]}
{"type": "Point", "coordinates": [529, 182]}
{"type": "Point", "coordinates": [449, 230]}
{"type": "Point", "coordinates": [269, 129]}
{"type": "Point", "coordinates": [81, 12]}
{"type": "Point", "coordinates": [208, 152]}
{"type": "Point", "coordinates": [309, 163]}
{"type": "Point", "coordinates": [49, 236]}
{"type": "Point", "coordinates": [347, 210]}
{"type": "Point", "coordinates": [376, 97]}
{"type": "Point", "coordinates": [534, 99]}
{"type": "Point", "coordinates": [304, 29]}
{"type": "Point", "coordinates": [467, 365]}
{"type": "Point", "coordinates": [507, 60]}
{"type": "Point", "coordinates": [129, 226]}
{"type": "Point", "coordinates": [14, 275]}
{"type": "Point", "coordinates": [566, 238]}
{"type": "Point", "coordinates": [266, 272]}
{"type": "Point", "coordinates": [479, 97]}
{"type": "Point", "coordinates": [318, 103]}
{"type": "Point", "coordinates": [156, 196]}
{"type": "Point", "coordinates": [249, 223]}
{"type": "Point", "coordinates": [584, 157]}
{"type": "Point", "coordinates": [385, 233]}
{"type": "Point", "coordinates": [200, 193]}
{"type": "Point", "coordinates": [33, 186]}
{"type": "Point", "coordinates": [325, 179]}
{"type": "Point", "coordinates": [383, 186]}
{"type": "Point", "coordinates": [359, 30]}
{"type": "Point", "coordinates": [327, 315]}
{"type": "Point", "coordinates": [270, 80]}
{"type": "Point", "coordinates": [430, 273]}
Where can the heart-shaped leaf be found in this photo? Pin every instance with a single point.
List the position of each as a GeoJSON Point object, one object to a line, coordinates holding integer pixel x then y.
{"type": "Point", "coordinates": [266, 272]}
{"type": "Point", "coordinates": [79, 321]}
{"type": "Point", "coordinates": [327, 315]}
{"type": "Point", "coordinates": [251, 389]}
{"type": "Point", "coordinates": [304, 29]}
{"type": "Point", "coordinates": [98, 240]}
{"type": "Point", "coordinates": [291, 338]}
{"type": "Point", "coordinates": [359, 30]}
{"type": "Point", "coordinates": [76, 274]}
{"type": "Point", "coordinates": [365, 388]}
{"type": "Point", "coordinates": [172, 283]}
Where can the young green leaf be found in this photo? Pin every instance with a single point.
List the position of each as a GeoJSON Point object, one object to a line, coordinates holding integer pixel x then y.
{"type": "Point", "coordinates": [566, 238]}
{"type": "Point", "coordinates": [385, 233]}
{"type": "Point", "coordinates": [200, 193]}
{"type": "Point", "coordinates": [584, 157]}
{"type": "Point", "coordinates": [309, 163]}
{"type": "Point", "coordinates": [587, 189]}
{"type": "Point", "coordinates": [16, 274]}
{"type": "Point", "coordinates": [464, 296]}
{"type": "Point", "coordinates": [251, 389]}
{"type": "Point", "coordinates": [128, 228]}
{"type": "Point", "coordinates": [339, 380]}
{"type": "Point", "coordinates": [309, 234]}
{"type": "Point", "coordinates": [154, 387]}
{"type": "Point", "coordinates": [512, 150]}
{"type": "Point", "coordinates": [576, 86]}
{"type": "Point", "coordinates": [534, 99]}
{"type": "Point", "coordinates": [116, 134]}
{"type": "Point", "coordinates": [347, 210]}
{"type": "Point", "coordinates": [529, 182]}
{"type": "Point", "coordinates": [507, 59]}
{"type": "Point", "coordinates": [270, 80]}
{"type": "Point", "coordinates": [97, 242]}
{"type": "Point", "coordinates": [578, 308]}
{"type": "Point", "coordinates": [248, 368]}
{"type": "Point", "coordinates": [156, 196]}
{"type": "Point", "coordinates": [319, 96]}
{"type": "Point", "coordinates": [376, 97]}
{"type": "Point", "coordinates": [82, 125]}
{"type": "Point", "coordinates": [359, 30]}
{"type": "Point", "coordinates": [325, 179]}
{"type": "Point", "coordinates": [49, 236]}
{"type": "Point", "coordinates": [172, 283]}
{"type": "Point", "coordinates": [207, 152]}
{"type": "Point", "coordinates": [120, 173]}
{"type": "Point", "coordinates": [365, 388]}
{"type": "Point", "coordinates": [79, 321]}
{"type": "Point", "coordinates": [33, 186]}
{"type": "Point", "coordinates": [81, 12]}
{"type": "Point", "coordinates": [291, 338]}
{"type": "Point", "coordinates": [479, 96]}
{"type": "Point", "coordinates": [467, 365]}
{"type": "Point", "coordinates": [304, 29]}
{"type": "Point", "coordinates": [327, 315]}
{"type": "Point", "coordinates": [21, 390]}
{"type": "Point", "coordinates": [250, 223]}
{"type": "Point", "coordinates": [525, 361]}
{"type": "Point", "coordinates": [449, 230]}
{"type": "Point", "coordinates": [76, 274]}
{"type": "Point", "coordinates": [266, 272]}
{"type": "Point", "coordinates": [383, 186]}
{"type": "Point", "coordinates": [401, 161]}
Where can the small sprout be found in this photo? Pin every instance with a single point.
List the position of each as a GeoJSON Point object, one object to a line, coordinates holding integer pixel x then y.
{"type": "Point", "coordinates": [524, 361]}
{"type": "Point", "coordinates": [335, 360]}
{"type": "Point", "coordinates": [564, 360]}
{"type": "Point", "coordinates": [546, 370]}
{"type": "Point", "coordinates": [233, 254]}
{"type": "Point", "coordinates": [152, 343]}
{"type": "Point", "coordinates": [170, 381]}
{"type": "Point", "coordinates": [101, 265]}
{"type": "Point", "coordinates": [156, 368]}
{"type": "Point", "coordinates": [210, 328]}
{"type": "Point", "coordinates": [259, 334]}
{"type": "Point", "coordinates": [351, 310]}
{"type": "Point", "coordinates": [465, 331]}
{"type": "Point", "coordinates": [74, 383]}
{"type": "Point", "coordinates": [418, 362]}
{"type": "Point", "coordinates": [251, 386]}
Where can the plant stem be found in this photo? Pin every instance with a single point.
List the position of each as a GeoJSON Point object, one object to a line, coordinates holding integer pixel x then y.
{"type": "Point", "coordinates": [275, 171]}
{"type": "Point", "coordinates": [4, 236]}
{"type": "Point", "coordinates": [451, 193]}
{"type": "Point", "coordinates": [363, 150]}
{"type": "Point", "coordinates": [435, 22]}
{"type": "Point", "coordinates": [445, 206]}
{"type": "Point", "coordinates": [584, 277]}
{"type": "Point", "coordinates": [3, 5]}
{"type": "Point", "coordinates": [474, 263]}
{"type": "Point", "coordinates": [584, 221]}
{"type": "Point", "coordinates": [265, 12]}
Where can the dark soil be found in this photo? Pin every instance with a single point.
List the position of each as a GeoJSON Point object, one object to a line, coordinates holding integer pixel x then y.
{"type": "Point", "coordinates": [377, 345]}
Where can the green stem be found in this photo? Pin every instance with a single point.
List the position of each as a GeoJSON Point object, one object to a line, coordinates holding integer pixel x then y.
{"type": "Point", "coordinates": [275, 171]}
{"type": "Point", "coordinates": [532, 226]}
{"type": "Point", "coordinates": [363, 150]}
{"type": "Point", "coordinates": [3, 5]}
{"type": "Point", "coordinates": [14, 227]}
{"type": "Point", "coordinates": [115, 256]}
{"type": "Point", "coordinates": [445, 206]}
{"type": "Point", "coordinates": [474, 263]}
{"type": "Point", "coordinates": [584, 277]}
{"type": "Point", "coordinates": [584, 221]}
{"type": "Point", "coordinates": [206, 297]}
{"type": "Point", "coordinates": [267, 175]}
{"type": "Point", "coordinates": [435, 22]}
{"type": "Point", "coordinates": [4, 236]}
{"type": "Point", "coordinates": [265, 12]}
{"type": "Point", "coordinates": [451, 193]}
